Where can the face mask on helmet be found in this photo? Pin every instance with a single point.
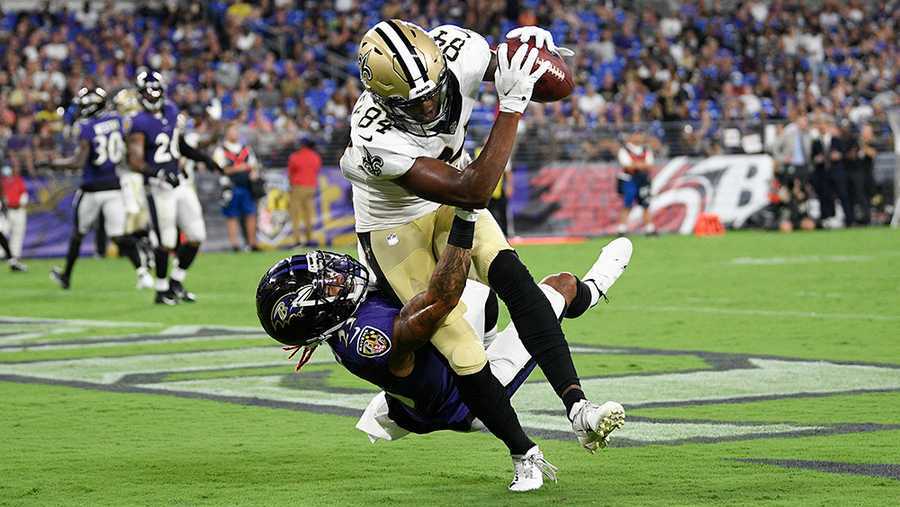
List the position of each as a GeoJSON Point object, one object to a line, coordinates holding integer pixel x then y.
{"type": "Point", "coordinates": [421, 116]}
{"type": "Point", "coordinates": [90, 102]}
{"type": "Point", "coordinates": [303, 299]}
{"type": "Point", "coordinates": [152, 90]}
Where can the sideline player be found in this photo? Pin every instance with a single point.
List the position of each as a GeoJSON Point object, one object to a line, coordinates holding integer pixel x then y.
{"type": "Point", "coordinates": [408, 169]}
{"type": "Point", "coordinates": [321, 296]}
{"type": "Point", "coordinates": [101, 148]}
{"type": "Point", "coordinates": [155, 146]}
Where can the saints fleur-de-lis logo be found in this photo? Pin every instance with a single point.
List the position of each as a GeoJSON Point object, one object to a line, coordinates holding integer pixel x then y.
{"type": "Point", "coordinates": [364, 71]}
{"type": "Point", "coordinates": [372, 164]}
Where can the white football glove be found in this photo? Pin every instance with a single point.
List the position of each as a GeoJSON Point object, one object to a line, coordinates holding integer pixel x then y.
{"type": "Point", "coordinates": [514, 78]}
{"type": "Point", "coordinates": [541, 38]}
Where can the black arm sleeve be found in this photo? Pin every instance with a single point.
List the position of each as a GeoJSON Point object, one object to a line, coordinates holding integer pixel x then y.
{"type": "Point", "coordinates": [194, 154]}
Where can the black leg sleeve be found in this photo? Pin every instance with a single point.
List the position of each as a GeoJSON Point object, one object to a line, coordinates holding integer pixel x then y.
{"type": "Point", "coordinates": [534, 318]}
{"type": "Point", "coordinates": [186, 253]}
{"type": "Point", "coordinates": [5, 246]}
{"type": "Point", "coordinates": [488, 401]}
{"type": "Point", "coordinates": [581, 303]}
{"type": "Point", "coordinates": [162, 262]}
{"type": "Point", "coordinates": [72, 254]}
{"type": "Point", "coordinates": [128, 248]}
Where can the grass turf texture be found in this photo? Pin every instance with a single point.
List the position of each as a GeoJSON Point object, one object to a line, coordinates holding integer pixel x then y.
{"type": "Point", "coordinates": [830, 296]}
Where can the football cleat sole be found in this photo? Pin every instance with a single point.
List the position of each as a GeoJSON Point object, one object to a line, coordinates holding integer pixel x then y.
{"type": "Point", "coordinates": [610, 423]}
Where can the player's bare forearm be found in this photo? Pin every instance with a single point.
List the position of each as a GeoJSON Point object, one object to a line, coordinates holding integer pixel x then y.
{"type": "Point", "coordinates": [421, 316]}
{"type": "Point", "coordinates": [77, 160]}
{"type": "Point", "coordinates": [472, 187]}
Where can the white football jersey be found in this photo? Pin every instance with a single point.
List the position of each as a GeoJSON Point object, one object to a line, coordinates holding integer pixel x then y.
{"type": "Point", "coordinates": [379, 152]}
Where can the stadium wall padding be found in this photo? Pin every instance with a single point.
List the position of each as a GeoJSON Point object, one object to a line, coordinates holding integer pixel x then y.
{"type": "Point", "coordinates": [558, 199]}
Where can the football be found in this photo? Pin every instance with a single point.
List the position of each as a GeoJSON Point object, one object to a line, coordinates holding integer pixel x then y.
{"type": "Point", "coordinates": [557, 83]}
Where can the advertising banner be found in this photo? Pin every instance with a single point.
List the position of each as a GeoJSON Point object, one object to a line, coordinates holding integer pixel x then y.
{"type": "Point", "coordinates": [50, 214]}
{"type": "Point", "coordinates": [580, 199]}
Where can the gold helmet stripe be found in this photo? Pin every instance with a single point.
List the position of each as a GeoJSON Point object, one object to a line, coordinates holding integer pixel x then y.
{"type": "Point", "coordinates": [409, 46]}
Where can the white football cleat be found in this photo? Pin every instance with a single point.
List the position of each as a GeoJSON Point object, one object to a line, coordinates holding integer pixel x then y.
{"type": "Point", "coordinates": [530, 471]}
{"type": "Point", "coordinates": [144, 280]}
{"type": "Point", "coordinates": [593, 423]}
{"type": "Point", "coordinates": [610, 264]}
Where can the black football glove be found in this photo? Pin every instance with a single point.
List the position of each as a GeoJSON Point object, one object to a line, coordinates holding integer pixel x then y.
{"type": "Point", "coordinates": [168, 177]}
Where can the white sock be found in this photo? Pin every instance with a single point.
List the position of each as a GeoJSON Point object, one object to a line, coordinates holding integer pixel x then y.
{"type": "Point", "coordinates": [141, 271]}
{"type": "Point", "coordinates": [650, 227]}
{"type": "Point", "coordinates": [162, 284]}
{"type": "Point", "coordinates": [178, 274]}
{"type": "Point", "coordinates": [622, 229]}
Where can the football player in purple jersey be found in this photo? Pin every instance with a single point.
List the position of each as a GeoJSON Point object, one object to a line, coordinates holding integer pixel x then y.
{"type": "Point", "coordinates": [101, 149]}
{"type": "Point", "coordinates": [322, 297]}
{"type": "Point", "coordinates": [155, 147]}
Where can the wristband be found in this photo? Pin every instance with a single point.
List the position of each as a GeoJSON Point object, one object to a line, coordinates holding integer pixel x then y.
{"type": "Point", "coordinates": [462, 233]}
{"type": "Point", "coordinates": [468, 215]}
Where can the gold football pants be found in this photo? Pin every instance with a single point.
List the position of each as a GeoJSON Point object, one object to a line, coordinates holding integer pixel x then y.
{"type": "Point", "coordinates": [404, 257]}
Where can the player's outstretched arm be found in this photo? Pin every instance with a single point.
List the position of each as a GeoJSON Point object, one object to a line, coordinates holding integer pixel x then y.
{"type": "Point", "coordinates": [77, 160]}
{"type": "Point", "coordinates": [471, 188]}
{"type": "Point", "coordinates": [420, 317]}
{"type": "Point", "coordinates": [197, 155]}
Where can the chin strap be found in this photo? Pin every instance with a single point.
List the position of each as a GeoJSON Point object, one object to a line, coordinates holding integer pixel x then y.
{"type": "Point", "coordinates": [304, 357]}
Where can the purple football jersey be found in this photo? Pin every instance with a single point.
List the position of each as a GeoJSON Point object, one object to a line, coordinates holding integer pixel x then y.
{"type": "Point", "coordinates": [427, 400]}
{"type": "Point", "coordinates": [160, 141]}
{"type": "Point", "coordinates": [105, 133]}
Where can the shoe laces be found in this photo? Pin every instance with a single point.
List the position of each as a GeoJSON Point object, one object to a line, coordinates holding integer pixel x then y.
{"type": "Point", "coordinates": [602, 294]}
{"type": "Point", "coordinates": [546, 468]}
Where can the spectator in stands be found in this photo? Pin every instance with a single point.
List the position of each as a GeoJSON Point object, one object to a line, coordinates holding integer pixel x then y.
{"type": "Point", "coordinates": [242, 168]}
{"type": "Point", "coordinates": [13, 217]}
{"type": "Point", "coordinates": [303, 174]}
{"type": "Point", "coordinates": [20, 148]}
{"type": "Point", "coordinates": [637, 161]}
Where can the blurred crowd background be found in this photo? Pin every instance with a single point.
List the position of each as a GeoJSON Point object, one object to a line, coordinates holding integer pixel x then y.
{"type": "Point", "coordinates": [699, 78]}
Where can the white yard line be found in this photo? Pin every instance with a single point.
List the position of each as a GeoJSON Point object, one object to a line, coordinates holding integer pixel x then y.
{"type": "Point", "coordinates": [757, 312]}
{"type": "Point", "coordinates": [797, 259]}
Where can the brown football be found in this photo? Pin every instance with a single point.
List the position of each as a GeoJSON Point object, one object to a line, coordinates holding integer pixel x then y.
{"type": "Point", "coordinates": [557, 83]}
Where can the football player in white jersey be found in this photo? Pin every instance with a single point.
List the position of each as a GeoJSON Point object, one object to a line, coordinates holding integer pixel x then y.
{"type": "Point", "coordinates": [409, 170]}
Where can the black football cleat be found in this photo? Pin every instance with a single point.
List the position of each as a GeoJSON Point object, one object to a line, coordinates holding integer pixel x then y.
{"type": "Point", "coordinates": [17, 267]}
{"type": "Point", "coordinates": [60, 278]}
{"type": "Point", "coordinates": [182, 293]}
{"type": "Point", "coordinates": [166, 297]}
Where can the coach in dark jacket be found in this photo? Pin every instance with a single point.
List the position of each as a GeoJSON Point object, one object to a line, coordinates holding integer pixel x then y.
{"type": "Point", "coordinates": [860, 175]}
{"type": "Point", "coordinates": [830, 153]}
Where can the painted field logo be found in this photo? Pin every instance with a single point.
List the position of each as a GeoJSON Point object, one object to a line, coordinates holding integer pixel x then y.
{"type": "Point", "coordinates": [221, 365]}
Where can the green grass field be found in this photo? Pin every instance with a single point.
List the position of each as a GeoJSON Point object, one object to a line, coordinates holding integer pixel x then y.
{"type": "Point", "coordinates": [755, 369]}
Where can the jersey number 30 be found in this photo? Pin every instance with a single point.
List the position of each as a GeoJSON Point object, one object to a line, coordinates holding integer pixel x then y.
{"type": "Point", "coordinates": [110, 147]}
